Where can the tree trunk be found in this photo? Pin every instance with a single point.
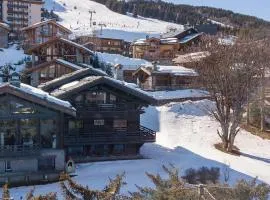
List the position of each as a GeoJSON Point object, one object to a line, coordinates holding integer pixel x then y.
{"type": "Point", "coordinates": [262, 102]}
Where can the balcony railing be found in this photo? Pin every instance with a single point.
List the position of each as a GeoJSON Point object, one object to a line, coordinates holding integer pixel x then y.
{"type": "Point", "coordinates": [105, 107]}
{"type": "Point", "coordinates": [142, 136]}
{"type": "Point", "coordinates": [19, 150]}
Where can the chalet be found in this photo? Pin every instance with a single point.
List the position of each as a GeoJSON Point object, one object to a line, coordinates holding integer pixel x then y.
{"type": "Point", "coordinates": [158, 77]}
{"type": "Point", "coordinates": [31, 134]}
{"type": "Point", "coordinates": [42, 32]}
{"type": "Point", "coordinates": [185, 37]}
{"type": "Point", "coordinates": [107, 124]}
{"type": "Point", "coordinates": [50, 70]}
{"type": "Point", "coordinates": [4, 31]}
{"type": "Point", "coordinates": [108, 45]}
{"type": "Point", "coordinates": [60, 48]}
{"type": "Point", "coordinates": [155, 49]}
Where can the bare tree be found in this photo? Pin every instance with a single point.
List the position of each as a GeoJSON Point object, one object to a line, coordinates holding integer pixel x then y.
{"type": "Point", "coordinates": [230, 72]}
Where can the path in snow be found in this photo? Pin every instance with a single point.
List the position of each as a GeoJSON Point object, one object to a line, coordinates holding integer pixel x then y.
{"type": "Point", "coordinates": [185, 138]}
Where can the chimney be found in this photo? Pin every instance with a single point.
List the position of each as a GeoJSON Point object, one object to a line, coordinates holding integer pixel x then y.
{"type": "Point", "coordinates": [15, 79]}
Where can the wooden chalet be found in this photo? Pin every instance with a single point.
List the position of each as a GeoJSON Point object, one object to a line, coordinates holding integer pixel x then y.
{"type": "Point", "coordinates": [159, 77]}
{"type": "Point", "coordinates": [41, 32]}
{"type": "Point", "coordinates": [107, 124]}
{"type": "Point", "coordinates": [49, 70]}
{"type": "Point", "coordinates": [31, 134]}
{"type": "Point", "coordinates": [60, 48]}
{"type": "Point", "coordinates": [108, 45]}
{"type": "Point", "coordinates": [4, 32]}
{"type": "Point", "coordinates": [189, 60]}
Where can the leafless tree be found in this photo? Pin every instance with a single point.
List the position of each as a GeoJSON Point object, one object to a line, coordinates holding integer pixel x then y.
{"type": "Point", "coordinates": [229, 72]}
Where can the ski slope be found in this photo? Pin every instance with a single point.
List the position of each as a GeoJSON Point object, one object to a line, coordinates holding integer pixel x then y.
{"type": "Point", "coordinates": [185, 138]}
{"type": "Point", "coordinates": [75, 15]}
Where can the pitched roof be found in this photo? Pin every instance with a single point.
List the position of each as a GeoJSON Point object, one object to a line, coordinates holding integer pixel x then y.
{"type": "Point", "coordinates": [177, 32]}
{"type": "Point", "coordinates": [5, 26]}
{"type": "Point", "coordinates": [69, 42]}
{"type": "Point", "coordinates": [77, 75]}
{"type": "Point", "coordinates": [38, 96]}
{"type": "Point", "coordinates": [56, 61]}
{"type": "Point", "coordinates": [91, 81]}
{"type": "Point", "coordinates": [50, 21]}
{"type": "Point", "coordinates": [190, 57]}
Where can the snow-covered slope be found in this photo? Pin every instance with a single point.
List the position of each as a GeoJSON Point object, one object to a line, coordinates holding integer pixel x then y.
{"type": "Point", "coordinates": [185, 138]}
{"type": "Point", "coordinates": [75, 15]}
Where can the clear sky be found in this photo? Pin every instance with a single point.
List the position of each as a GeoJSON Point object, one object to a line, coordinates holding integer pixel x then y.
{"type": "Point", "coordinates": [258, 8]}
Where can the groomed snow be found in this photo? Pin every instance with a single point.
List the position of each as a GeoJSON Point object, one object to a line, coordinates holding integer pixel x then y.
{"type": "Point", "coordinates": [76, 17]}
{"type": "Point", "coordinates": [185, 138]}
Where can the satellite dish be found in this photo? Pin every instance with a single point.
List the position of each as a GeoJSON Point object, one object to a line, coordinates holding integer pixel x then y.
{"type": "Point", "coordinates": [70, 166]}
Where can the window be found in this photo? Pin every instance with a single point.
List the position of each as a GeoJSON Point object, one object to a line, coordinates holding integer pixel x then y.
{"type": "Point", "coordinates": [8, 166]}
{"type": "Point", "coordinates": [99, 122]}
{"type": "Point", "coordinates": [119, 123]}
{"type": "Point", "coordinates": [95, 97]}
{"type": "Point", "coordinates": [112, 98]}
{"type": "Point", "coordinates": [75, 124]}
{"type": "Point", "coordinates": [46, 163]}
{"type": "Point", "coordinates": [118, 148]}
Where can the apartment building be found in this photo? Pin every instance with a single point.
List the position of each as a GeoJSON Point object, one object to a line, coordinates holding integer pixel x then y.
{"type": "Point", "coordinates": [20, 13]}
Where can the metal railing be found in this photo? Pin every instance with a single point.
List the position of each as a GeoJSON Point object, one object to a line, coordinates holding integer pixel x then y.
{"type": "Point", "coordinates": [19, 150]}
{"type": "Point", "coordinates": [104, 107]}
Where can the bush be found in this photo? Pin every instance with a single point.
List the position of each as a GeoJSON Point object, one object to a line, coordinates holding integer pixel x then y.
{"type": "Point", "coordinates": [203, 175]}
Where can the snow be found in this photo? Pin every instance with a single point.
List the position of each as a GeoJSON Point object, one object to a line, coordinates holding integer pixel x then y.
{"type": "Point", "coordinates": [44, 95]}
{"type": "Point", "coordinates": [12, 55]}
{"type": "Point", "coordinates": [189, 37]}
{"type": "Point", "coordinates": [69, 64]}
{"type": "Point", "coordinates": [71, 84]}
{"type": "Point", "coordinates": [177, 70]}
{"type": "Point", "coordinates": [117, 25]}
{"type": "Point", "coordinates": [127, 62]}
{"type": "Point", "coordinates": [185, 138]}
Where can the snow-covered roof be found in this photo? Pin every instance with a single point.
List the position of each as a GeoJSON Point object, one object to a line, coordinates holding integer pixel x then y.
{"type": "Point", "coordinates": [175, 70]}
{"type": "Point", "coordinates": [169, 40]}
{"type": "Point", "coordinates": [175, 33]}
{"type": "Point", "coordinates": [144, 41]}
{"type": "Point", "coordinates": [190, 57]}
{"type": "Point", "coordinates": [5, 26]}
{"type": "Point", "coordinates": [66, 63]}
{"type": "Point", "coordinates": [90, 81]}
{"type": "Point", "coordinates": [189, 37]}
{"type": "Point", "coordinates": [43, 97]}
{"type": "Point", "coordinates": [53, 21]}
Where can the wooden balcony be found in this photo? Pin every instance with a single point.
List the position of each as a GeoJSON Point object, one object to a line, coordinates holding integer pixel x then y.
{"type": "Point", "coordinates": [144, 135]}
{"type": "Point", "coordinates": [19, 150]}
{"type": "Point", "coordinates": [105, 107]}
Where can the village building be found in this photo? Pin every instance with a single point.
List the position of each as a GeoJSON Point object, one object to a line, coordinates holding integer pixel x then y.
{"type": "Point", "coordinates": [59, 48]}
{"type": "Point", "coordinates": [4, 32]}
{"type": "Point", "coordinates": [31, 134]}
{"type": "Point", "coordinates": [108, 45]}
{"type": "Point", "coordinates": [48, 71]}
{"type": "Point", "coordinates": [42, 32]}
{"type": "Point", "coordinates": [20, 13]}
{"type": "Point", "coordinates": [155, 49]}
{"type": "Point", "coordinates": [107, 125]}
{"type": "Point", "coordinates": [158, 77]}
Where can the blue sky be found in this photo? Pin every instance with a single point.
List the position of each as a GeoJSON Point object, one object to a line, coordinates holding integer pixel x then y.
{"type": "Point", "coordinates": [258, 8]}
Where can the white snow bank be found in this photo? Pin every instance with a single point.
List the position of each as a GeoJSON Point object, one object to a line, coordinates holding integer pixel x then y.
{"type": "Point", "coordinates": [179, 94]}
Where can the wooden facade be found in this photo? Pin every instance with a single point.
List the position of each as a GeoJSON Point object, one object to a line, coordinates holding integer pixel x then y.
{"type": "Point", "coordinates": [153, 79]}
{"type": "Point", "coordinates": [4, 32]}
{"type": "Point", "coordinates": [31, 133]}
{"type": "Point", "coordinates": [48, 71]}
{"type": "Point", "coordinates": [108, 45]}
{"type": "Point", "coordinates": [60, 48]}
{"type": "Point", "coordinates": [155, 49]}
{"type": "Point", "coordinates": [107, 125]}
{"type": "Point", "coordinates": [42, 32]}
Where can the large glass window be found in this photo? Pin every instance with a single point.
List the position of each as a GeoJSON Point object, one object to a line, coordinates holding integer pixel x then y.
{"type": "Point", "coordinates": [7, 132]}
{"type": "Point", "coordinates": [120, 123]}
{"type": "Point", "coordinates": [46, 163]}
{"type": "Point", "coordinates": [75, 126]}
{"type": "Point", "coordinates": [95, 97]}
{"type": "Point", "coordinates": [99, 122]}
{"type": "Point", "coordinates": [48, 130]}
{"type": "Point", "coordinates": [29, 130]}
